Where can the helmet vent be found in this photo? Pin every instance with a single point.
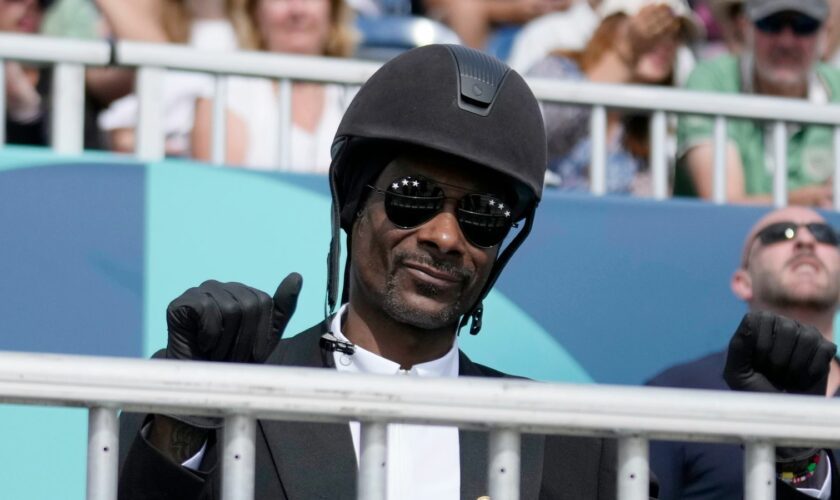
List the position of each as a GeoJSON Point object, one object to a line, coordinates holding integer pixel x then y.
{"type": "Point", "coordinates": [480, 77]}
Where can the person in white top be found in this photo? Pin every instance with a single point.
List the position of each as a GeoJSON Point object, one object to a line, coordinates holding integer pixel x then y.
{"type": "Point", "coordinates": [200, 24]}
{"type": "Point", "coordinates": [302, 27]}
{"type": "Point", "coordinates": [567, 30]}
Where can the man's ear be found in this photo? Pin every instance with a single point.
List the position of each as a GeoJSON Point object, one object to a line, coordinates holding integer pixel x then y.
{"type": "Point", "coordinates": [741, 285]}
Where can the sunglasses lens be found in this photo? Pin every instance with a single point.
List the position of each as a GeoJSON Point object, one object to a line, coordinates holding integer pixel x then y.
{"type": "Point", "coordinates": [804, 25]}
{"type": "Point", "coordinates": [769, 25]}
{"type": "Point", "coordinates": [824, 233]}
{"type": "Point", "coordinates": [799, 24]}
{"type": "Point", "coordinates": [780, 231]}
{"type": "Point", "coordinates": [484, 220]}
{"type": "Point", "coordinates": [783, 231]}
{"type": "Point", "coordinates": [411, 201]}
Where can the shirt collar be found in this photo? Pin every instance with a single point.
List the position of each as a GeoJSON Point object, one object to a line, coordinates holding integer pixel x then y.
{"type": "Point", "coordinates": [364, 361]}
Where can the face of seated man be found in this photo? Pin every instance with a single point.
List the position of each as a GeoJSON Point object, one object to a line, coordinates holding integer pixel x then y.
{"type": "Point", "coordinates": [796, 272]}
{"type": "Point", "coordinates": [786, 45]}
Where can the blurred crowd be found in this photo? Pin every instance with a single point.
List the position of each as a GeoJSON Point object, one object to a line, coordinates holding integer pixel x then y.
{"type": "Point", "coordinates": [767, 47]}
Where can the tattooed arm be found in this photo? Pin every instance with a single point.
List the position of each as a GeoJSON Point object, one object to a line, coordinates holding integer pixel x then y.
{"type": "Point", "coordinates": [176, 440]}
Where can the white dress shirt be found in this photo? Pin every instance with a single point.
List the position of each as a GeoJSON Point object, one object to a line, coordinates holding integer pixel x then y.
{"type": "Point", "coordinates": [423, 461]}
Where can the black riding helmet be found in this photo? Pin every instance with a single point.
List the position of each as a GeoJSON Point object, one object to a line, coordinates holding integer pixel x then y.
{"type": "Point", "coordinates": [450, 99]}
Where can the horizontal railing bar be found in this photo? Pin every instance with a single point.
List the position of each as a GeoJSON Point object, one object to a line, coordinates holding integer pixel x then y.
{"type": "Point", "coordinates": [285, 393]}
{"type": "Point", "coordinates": [677, 100]}
{"type": "Point", "coordinates": [40, 48]}
{"type": "Point", "coordinates": [245, 63]}
{"type": "Point", "coordinates": [46, 49]}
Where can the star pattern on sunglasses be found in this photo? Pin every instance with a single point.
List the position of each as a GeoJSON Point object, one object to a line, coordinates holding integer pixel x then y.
{"type": "Point", "coordinates": [501, 206]}
{"type": "Point", "coordinates": [406, 181]}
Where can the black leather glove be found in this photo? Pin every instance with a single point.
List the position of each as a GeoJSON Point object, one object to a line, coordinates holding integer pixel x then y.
{"type": "Point", "coordinates": [229, 321]}
{"type": "Point", "coordinates": [771, 353]}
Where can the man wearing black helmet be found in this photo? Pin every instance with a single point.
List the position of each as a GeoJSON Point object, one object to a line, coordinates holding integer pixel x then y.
{"type": "Point", "coordinates": [440, 153]}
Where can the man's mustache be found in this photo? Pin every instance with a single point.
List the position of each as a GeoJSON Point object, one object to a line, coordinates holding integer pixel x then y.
{"type": "Point", "coordinates": [458, 272]}
{"type": "Point", "coordinates": [806, 255]}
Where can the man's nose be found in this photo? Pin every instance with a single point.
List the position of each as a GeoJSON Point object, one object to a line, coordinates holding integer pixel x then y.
{"type": "Point", "coordinates": [804, 237]}
{"type": "Point", "coordinates": [787, 35]}
{"type": "Point", "coordinates": [443, 233]}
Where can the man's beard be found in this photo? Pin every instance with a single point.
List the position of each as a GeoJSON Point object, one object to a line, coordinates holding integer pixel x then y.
{"type": "Point", "coordinates": [780, 76]}
{"type": "Point", "coordinates": [399, 310]}
{"type": "Point", "coordinates": [777, 294]}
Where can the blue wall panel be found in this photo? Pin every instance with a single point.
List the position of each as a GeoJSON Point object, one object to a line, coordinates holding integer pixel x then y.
{"type": "Point", "coordinates": [71, 259]}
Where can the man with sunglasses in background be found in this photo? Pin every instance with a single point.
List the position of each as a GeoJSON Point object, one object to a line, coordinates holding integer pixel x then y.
{"type": "Point", "coordinates": [784, 41]}
{"type": "Point", "coordinates": [790, 267]}
{"type": "Point", "coordinates": [436, 158]}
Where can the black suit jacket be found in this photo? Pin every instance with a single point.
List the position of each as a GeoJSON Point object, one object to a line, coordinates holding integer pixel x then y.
{"type": "Point", "coordinates": [307, 461]}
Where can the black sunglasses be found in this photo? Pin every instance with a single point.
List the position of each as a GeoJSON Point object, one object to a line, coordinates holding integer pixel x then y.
{"type": "Point", "coordinates": [800, 24]}
{"type": "Point", "coordinates": [411, 201]}
{"type": "Point", "coordinates": [785, 231]}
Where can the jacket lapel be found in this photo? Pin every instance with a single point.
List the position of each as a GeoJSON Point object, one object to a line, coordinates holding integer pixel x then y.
{"type": "Point", "coordinates": [299, 450]}
{"type": "Point", "coordinates": [473, 447]}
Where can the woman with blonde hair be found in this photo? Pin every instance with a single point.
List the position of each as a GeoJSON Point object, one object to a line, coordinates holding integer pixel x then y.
{"type": "Point", "coordinates": [636, 42]}
{"type": "Point", "coordinates": [301, 27]}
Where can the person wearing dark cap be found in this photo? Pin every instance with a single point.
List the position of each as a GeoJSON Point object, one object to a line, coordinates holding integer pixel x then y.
{"type": "Point", "coordinates": [784, 42]}
{"type": "Point", "coordinates": [437, 158]}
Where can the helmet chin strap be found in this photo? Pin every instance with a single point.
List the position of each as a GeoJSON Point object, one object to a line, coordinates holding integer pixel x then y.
{"type": "Point", "coordinates": [475, 313]}
{"type": "Point", "coordinates": [335, 248]}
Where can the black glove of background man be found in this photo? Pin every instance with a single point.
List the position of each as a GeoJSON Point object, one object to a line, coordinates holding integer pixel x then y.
{"type": "Point", "coordinates": [230, 321]}
{"type": "Point", "coordinates": [771, 353]}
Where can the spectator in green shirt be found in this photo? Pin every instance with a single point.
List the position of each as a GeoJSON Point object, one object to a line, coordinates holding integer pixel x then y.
{"type": "Point", "coordinates": [784, 40]}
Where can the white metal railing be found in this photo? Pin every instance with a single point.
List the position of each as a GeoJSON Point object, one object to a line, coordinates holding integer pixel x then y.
{"type": "Point", "coordinates": [152, 60]}
{"type": "Point", "coordinates": [68, 88]}
{"type": "Point", "coordinates": [505, 407]}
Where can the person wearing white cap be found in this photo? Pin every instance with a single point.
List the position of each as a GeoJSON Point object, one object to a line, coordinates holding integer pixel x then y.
{"type": "Point", "coordinates": [637, 41]}
{"type": "Point", "coordinates": [785, 39]}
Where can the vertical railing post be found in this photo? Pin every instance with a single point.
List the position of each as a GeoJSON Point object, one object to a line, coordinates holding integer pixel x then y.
{"type": "Point", "coordinates": [780, 160]}
{"type": "Point", "coordinates": [598, 167]}
{"type": "Point", "coordinates": [658, 154]}
{"type": "Point", "coordinates": [219, 147]}
{"type": "Point", "coordinates": [103, 454]}
{"type": "Point", "coordinates": [633, 469]}
{"type": "Point", "coordinates": [836, 179]}
{"type": "Point", "coordinates": [720, 146]}
{"type": "Point", "coordinates": [284, 110]}
{"type": "Point", "coordinates": [373, 453]}
{"type": "Point", "coordinates": [238, 459]}
{"type": "Point", "coordinates": [68, 108]}
{"type": "Point", "coordinates": [503, 464]}
{"type": "Point", "coordinates": [759, 472]}
{"type": "Point", "coordinates": [2, 102]}
{"type": "Point", "coordinates": [149, 90]}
